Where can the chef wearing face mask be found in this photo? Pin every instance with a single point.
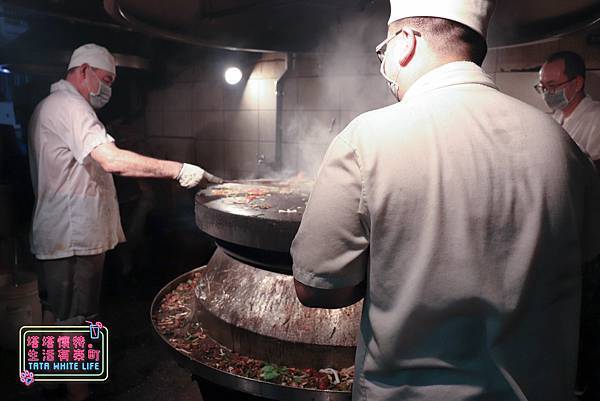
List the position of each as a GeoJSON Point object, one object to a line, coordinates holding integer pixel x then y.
{"type": "Point", "coordinates": [562, 83]}
{"type": "Point", "coordinates": [76, 214]}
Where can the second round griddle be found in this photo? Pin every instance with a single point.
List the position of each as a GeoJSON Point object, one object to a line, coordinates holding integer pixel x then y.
{"type": "Point", "coordinates": [254, 221]}
{"type": "Point", "coordinates": [259, 388]}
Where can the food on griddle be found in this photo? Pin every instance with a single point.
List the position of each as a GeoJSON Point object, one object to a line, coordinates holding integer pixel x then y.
{"type": "Point", "coordinates": [255, 195]}
{"type": "Point", "coordinates": [173, 321]}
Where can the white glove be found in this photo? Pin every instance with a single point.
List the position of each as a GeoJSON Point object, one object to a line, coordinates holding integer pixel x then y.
{"type": "Point", "coordinates": [191, 175]}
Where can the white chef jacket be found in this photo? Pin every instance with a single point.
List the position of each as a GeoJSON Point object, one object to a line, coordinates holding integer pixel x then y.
{"type": "Point", "coordinates": [583, 125]}
{"type": "Point", "coordinates": [469, 214]}
{"type": "Point", "coordinates": [76, 210]}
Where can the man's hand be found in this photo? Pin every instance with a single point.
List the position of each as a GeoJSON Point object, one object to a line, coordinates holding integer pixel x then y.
{"type": "Point", "coordinates": [191, 175]}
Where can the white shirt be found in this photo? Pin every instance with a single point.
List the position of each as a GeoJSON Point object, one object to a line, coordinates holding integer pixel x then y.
{"type": "Point", "coordinates": [76, 210]}
{"type": "Point", "coordinates": [469, 214]}
{"type": "Point", "coordinates": [583, 125]}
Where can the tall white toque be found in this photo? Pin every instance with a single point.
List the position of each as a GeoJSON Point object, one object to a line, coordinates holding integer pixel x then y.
{"type": "Point", "coordinates": [94, 55]}
{"type": "Point", "coordinates": [475, 14]}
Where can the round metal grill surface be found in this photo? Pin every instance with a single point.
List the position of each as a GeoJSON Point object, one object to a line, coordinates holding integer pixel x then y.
{"type": "Point", "coordinates": [254, 221]}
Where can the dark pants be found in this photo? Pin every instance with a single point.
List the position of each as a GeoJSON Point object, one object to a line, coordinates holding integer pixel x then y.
{"type": "Point", "coordinates": [70, 287]}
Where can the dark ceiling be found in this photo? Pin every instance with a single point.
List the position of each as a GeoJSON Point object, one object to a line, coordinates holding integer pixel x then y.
{"type": "Point", "coordinates": [249, 24]}
{"type": "Point", "coordinates": [46, 31]}
{"type": "Point", "coordinates": [38, 36]}
{"type": "Point", "coordinates": [300, 25]}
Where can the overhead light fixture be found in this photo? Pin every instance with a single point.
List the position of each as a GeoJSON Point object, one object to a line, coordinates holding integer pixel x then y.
{"type": "Point", "coordinates": [233, 75]}
{"type": "Point", "coordinates": [4, 70]}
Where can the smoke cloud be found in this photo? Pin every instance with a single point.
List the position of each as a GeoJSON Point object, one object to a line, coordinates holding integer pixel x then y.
{"type": "Point", "coordinates": [325, 90]}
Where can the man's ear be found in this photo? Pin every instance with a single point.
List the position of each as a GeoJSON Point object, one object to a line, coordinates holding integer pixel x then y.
{"type": "Point", "coordinates": [84, 69]}
{"type": "Point", "coordinates": [407, 43]}
{"type": "Point", "coordinates": [580, 83]}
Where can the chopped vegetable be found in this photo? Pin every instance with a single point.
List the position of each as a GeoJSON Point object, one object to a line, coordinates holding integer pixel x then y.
{"type": "Point", "coordinates": [173, 321]}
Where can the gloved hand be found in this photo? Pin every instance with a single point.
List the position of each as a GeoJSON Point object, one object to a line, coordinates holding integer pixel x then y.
{"type": "Point", "coordinates": [191, 175]}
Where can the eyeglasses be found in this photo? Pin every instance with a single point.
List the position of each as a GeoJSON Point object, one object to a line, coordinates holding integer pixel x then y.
{"type": "Point", "coordinates": [541, 88]}
{"type": "Point", "coordinates": [382, 47]}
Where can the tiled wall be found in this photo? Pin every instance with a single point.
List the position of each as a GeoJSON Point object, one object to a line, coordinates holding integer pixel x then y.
{"type": "Point", "coordinates": [515, 70]}
{"type": "Point", "coordinates": [199, 118]}
{"type": "Point", "coordinates": [320, 99]}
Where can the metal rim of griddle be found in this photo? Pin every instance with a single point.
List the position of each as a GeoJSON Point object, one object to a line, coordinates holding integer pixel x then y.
{"type": "Point", "coordinates": [278, 262]}
{"type": "Point", "coordinates": [257, 229]}
{"type": "Point", "coordinates": [247, 232]}
{"type": "Point", "coordinates": [231, 381]}
{"type": "Point", "coordinates": [257, 237]}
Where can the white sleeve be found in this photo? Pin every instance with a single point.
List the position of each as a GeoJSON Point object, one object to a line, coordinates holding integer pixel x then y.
{"type": "Point", "coordinates": [331, 247]}
{"type": "Point", "coordinates": [85, 133]}
{"type": "Point", "coordinates": [593, 139]}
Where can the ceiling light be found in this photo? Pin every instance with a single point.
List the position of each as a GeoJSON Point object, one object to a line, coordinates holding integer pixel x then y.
{"type": "Point", "coordinates": [233, 75]}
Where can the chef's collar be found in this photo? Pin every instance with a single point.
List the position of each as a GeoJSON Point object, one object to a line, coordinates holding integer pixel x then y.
{"type": "Point", "coordinates": [454, 73]}
{"type": "Point", "coordinates": [63, 85]}
{"type": "Point", "coordinates": [560, 118]}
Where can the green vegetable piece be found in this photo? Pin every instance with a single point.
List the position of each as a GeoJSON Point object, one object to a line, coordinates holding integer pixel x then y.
{"type": "Point", "coordinates": [269, 372]}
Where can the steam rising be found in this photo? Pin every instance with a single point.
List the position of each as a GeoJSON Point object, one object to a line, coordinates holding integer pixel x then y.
{"type": "Point", "coordinates": [324, 91]}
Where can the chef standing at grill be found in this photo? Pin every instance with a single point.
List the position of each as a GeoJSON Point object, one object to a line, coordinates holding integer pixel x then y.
{"type": "Point", "coordinates": [76, 215]}
{"type": "Point", "coordinates": [462, 216]}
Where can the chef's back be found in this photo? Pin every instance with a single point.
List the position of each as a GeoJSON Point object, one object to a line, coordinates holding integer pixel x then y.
{"type": "Point", "coordinates": [480, 213]}
{"type": "Point", "coordinates": [469, 215]}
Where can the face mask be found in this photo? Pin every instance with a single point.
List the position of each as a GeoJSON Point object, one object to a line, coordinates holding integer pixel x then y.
{"type": "Point", "coordinates": [557, 100]}
{"type": "Point", "coordinates": [394, 89]}
{"type": "Point", "coordinates": [100, 98]}
{"type": "Point", "coordinates": [391, 83]}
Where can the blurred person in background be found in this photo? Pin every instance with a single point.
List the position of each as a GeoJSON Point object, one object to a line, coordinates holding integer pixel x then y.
{"type": "Point", "coordinates": [562, 86]}
{"type": "Point", "coordinates": [461, 215]}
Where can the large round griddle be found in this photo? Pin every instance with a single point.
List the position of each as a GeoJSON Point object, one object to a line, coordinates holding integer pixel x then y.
{"type": "Point", "coordinates": [256, 312]}
{"type": "Point", "coordinates": [254, 221]}
{"type": "Point", "coordinates": [234, 382]}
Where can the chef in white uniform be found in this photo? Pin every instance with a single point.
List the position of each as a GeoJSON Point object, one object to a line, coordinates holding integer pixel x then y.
{"type": "Point", "coordinates": [76, 214]}
{"type": "Point", "coordinates": [461, 215]}
{"type": "Point", "coordinates": [562, 85]}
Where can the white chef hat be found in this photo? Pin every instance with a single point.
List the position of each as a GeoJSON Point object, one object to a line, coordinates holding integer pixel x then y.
{"type": "Point", "coordinates": [94, 55]}
{"type": "Point", "coordinates": [473, 13]}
